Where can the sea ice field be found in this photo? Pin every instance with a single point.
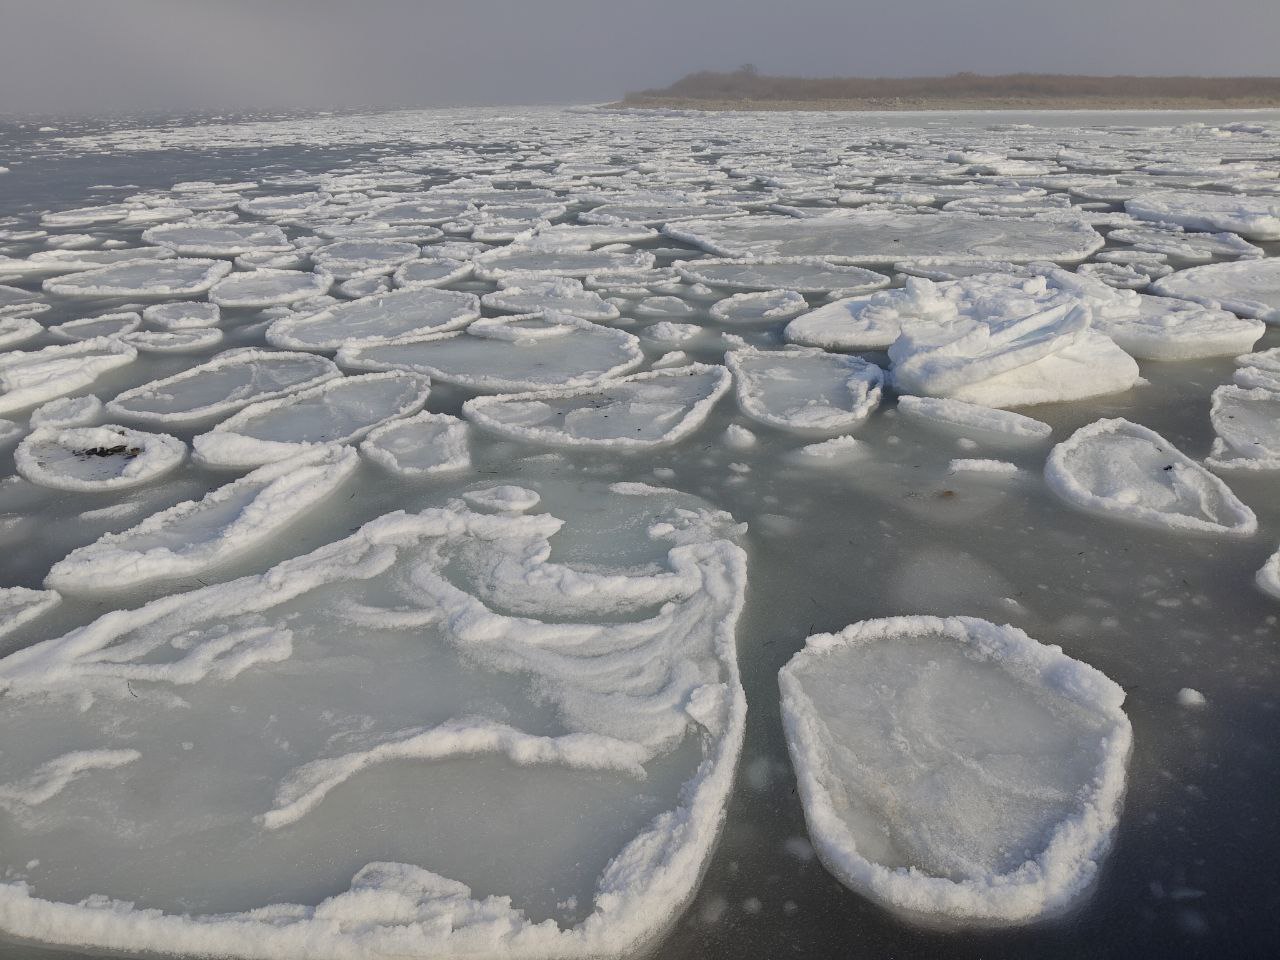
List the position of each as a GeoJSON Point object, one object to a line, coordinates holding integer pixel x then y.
{"type": "Point", "coordinates": [568, 532]}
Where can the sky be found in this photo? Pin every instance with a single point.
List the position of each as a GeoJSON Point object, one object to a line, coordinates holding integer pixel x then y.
{"type": "Point", "coordinates": [92, 56]}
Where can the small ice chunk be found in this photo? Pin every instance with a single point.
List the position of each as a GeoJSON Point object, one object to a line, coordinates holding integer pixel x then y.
{"type": "Point", "coordinates": [674, 358]}
{"type": "Point", "coordinates": [955, 768]}
{"type": "Point", "coordinates": [503, 499]}
{"type": "Point", "coordinates": [1191, 698]}
{"type": "Point", "coordinates": [90, 459]}
{"type": "Point", "coordinates": [739, 437]}
{"type": "Point", "coordinates": [1119, 469]}
{"type": "Point", "coordinates": [666, 331]}
{"type": "Point", "coordinates": [971, 465]}
{"type": "Point", "coordinates": [836, 450]}
{"type": "Point", "coordinates": [663, 307]}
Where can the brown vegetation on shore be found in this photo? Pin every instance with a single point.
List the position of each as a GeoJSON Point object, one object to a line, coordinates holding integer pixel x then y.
{"type": "Point", "coordinates": [748, 89]}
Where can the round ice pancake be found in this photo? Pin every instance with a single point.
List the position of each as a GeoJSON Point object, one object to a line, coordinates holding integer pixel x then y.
{"type": "Point", "coordinates": [955, 768]}
{"type": "Point", "coordinates": [93, 459]}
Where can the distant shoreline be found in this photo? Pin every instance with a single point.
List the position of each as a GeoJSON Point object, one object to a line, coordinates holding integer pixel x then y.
{"type": "Point", "coordinates": [747, 89]}
{"type": "Point", "coordinates": [877, 105]}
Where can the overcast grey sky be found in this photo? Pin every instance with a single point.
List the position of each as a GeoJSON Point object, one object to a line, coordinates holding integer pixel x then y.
{"type": "Point", "coordinates": [90, 55]}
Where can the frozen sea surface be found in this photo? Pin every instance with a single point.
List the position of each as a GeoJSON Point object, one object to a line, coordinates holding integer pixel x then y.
{"type": "Point", "coordinates": [292, 665]}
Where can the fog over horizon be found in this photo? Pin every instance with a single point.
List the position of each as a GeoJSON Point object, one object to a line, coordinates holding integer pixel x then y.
{"type": "Point", "coordinates": [87, 56]}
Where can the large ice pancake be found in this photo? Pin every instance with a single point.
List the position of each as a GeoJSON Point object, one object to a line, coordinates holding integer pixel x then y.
{"type": "Point", "coordinates": [1192, 247]}
{"type": "Point", "coordinates": [179, 277]}
{"type": "Point", "coordinates": [802, 276]}
{"type": "Point", "coordinates": [223, 385]}
{"type": "Point", "coordinates": [1250, 288]}
{"type": "Point", "coordinates": [644, 410]}
{"type": "Point", "coordinates": [1257, 218]}
{"type": "Point", "coordinates": [420, 447]}
{"type": "Point", "coordinates": [805, 389]}
{"type": "Point", "coordinates": [342, 410]}
{"type": "Point", "coordinates": [90, 328]}
{"type": "Point", "coordinates": [432, 273]}
{"type": "Point", "coordinates": [1170, 329]}
{"type": "Point", "coordinates": [216, 240]}
{"type": "Point", "coordinates": [349, 259]}
{"type": "Point", "coordinates": [28, 377]}
{"type": "Point", "coordinates": [191, 340]}
{"type": "Point", "coordinates": [381, 318]}
{"type": "Point", "coordinates": [509, 355]}
{"type": "Point", "coordinates": [1124, 470]}
{"type": "Point", "coordinates": [880, 237]}
{"type": "Point", "coordinates": [532, 264]}
{"type": "Point", "coordinates": [265, 288]}
{"type": "Point", "coordinates": [954, 768]}
{"type": "Point", "coordinates": [194, 536]}
{"type": "Point", "coordinates": [437, 695]}
{"type": "Point", "coordinates": [1247, 424]}
{"type": "Point", "coordinates": [49, 262]}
